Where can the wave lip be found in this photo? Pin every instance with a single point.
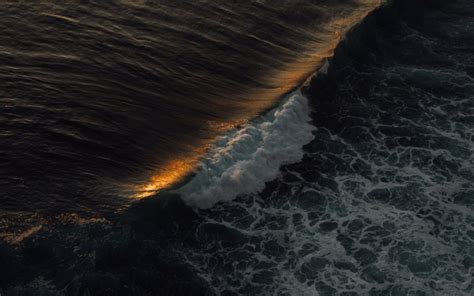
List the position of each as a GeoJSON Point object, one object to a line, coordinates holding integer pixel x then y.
{"type": "Point", "coordinates": [243, 160]}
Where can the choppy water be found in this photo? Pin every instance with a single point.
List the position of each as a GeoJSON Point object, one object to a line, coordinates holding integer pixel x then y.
{"type": "Point", "coordinates": [379, 202]}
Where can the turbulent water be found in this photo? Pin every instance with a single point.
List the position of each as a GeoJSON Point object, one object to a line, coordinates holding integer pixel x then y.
{"type": "Point", "coordinates": [358, 183]}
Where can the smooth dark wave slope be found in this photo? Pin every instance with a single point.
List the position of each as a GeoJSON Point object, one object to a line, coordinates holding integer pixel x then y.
{"type": "Point", "coordinates": [102, 98]}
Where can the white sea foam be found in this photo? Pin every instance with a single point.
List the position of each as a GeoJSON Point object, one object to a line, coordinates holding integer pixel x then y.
{"type": "Point", "coordinates": [243, 160]}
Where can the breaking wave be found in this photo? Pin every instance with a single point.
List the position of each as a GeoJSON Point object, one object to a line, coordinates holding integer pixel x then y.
{"type": "Point", "coordinates": [380, 204]}
{"type": "Point", "coordinates": [243, 160]}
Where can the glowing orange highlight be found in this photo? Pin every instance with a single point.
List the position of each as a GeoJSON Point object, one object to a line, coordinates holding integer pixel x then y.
{"type": "Point", "coordinates": [172, 173]}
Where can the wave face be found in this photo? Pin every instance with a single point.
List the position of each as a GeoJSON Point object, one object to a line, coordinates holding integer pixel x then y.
{"type": "Point", "coordinates": [99, 97]}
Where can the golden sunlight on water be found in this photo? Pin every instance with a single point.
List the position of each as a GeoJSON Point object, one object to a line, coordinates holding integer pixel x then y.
{"type": "Point", "coordinates": [177, 169]}
{"type": "Point", "coordinates": [172, 173]}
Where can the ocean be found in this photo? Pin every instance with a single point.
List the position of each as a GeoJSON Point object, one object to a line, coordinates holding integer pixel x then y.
{"type": "Point", "coordinates": [100, 101]}
{"type": "Point", "coordinates": [237, 148]}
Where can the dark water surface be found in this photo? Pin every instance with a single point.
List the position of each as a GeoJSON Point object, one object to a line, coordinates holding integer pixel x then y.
{"type": "Point", "coordinates": [382, 203]}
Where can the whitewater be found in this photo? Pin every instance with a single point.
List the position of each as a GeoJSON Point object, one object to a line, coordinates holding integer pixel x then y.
{"type": "Point", "coordinates": [241, 161]}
